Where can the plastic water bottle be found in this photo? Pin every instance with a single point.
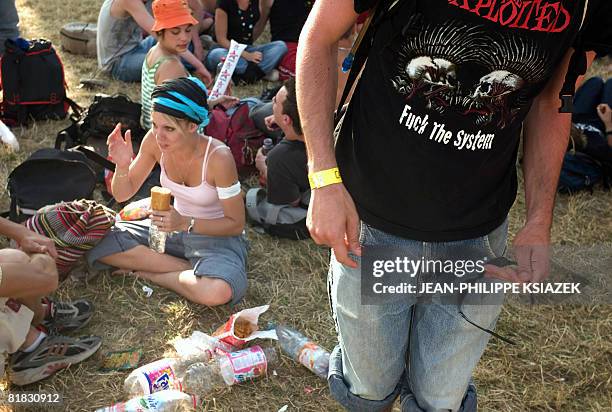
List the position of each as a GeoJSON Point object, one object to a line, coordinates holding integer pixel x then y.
{"type": "Point", "coordinates": [246, 364]}
{"type": "Point", "coordinates": [165, 401]}
{"type": "Point", "coordinates": [229, 369]}
{"type": "Point", "coordinates": [202, 378]}
{"type": "Point", "coordinates": [157, 239]}
{"type": "Point", "coordinates": [160, 200]}
{"type": "Point", "coordinates": [164, 374]}
{"type": "Point", "coordinates": [200, 347]}
{"type": "Point", "coordinates": [303, 350]}
{"type": "Point", "coordinates": [268, 144]}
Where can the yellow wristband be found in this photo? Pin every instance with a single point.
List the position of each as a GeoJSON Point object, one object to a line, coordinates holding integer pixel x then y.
{"type": "Point", "coordinates": [324, 178]}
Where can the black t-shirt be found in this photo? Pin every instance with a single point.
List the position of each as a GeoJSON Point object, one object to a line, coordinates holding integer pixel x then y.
{"type": "Point", "coordinates": [287, 172]}
{"type": "Point", "coordinates": [240, 23]}
{"type": "Point", "coordinates": [287, 17]}
{"type": "Point", "coordinates": [428, 145]}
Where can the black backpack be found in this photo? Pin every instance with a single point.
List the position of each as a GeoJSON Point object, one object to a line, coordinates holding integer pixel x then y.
{"type": "Point", "coordinates": [99, 120]}
{"type": "Point", "coordinates": [33, 84]}
{"type": "Point", "coordinates": [47, 177]}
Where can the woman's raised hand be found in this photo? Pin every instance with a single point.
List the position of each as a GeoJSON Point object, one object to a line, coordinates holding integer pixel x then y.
{"type": "Point", "coordinates": [120, 150]}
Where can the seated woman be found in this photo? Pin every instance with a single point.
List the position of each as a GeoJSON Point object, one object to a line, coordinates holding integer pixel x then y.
{"type": "Point", "coordinates": [205, 258]}
{"type": "Point", "coordinates": [239, 20]}
{"type": "Point", "coordinates": [121, 48]}
{"type": "Point", "coordinates": [173, 28]}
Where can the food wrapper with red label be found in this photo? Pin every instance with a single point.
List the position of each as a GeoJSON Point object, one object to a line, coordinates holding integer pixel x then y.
{"type": "Point", "coordinates": [138, 210]}
{"type": "Point", "coordinates": [242, 328]}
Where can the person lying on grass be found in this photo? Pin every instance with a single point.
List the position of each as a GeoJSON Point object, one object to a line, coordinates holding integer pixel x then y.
{"type": "Point", "coordinates": [173, 28]}
{"type": "Point", "coordinates": [30, 324]}
{"type": "Point", "coordinates": [205, 258]}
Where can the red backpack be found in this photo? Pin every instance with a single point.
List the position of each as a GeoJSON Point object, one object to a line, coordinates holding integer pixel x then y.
{"type": "Point", "coordinates": [239, 133]}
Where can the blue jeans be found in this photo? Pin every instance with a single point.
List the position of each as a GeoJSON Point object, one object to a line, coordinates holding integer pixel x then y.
{"type": "Point", "coordinates": [8, 22]}
{"type": "Point", "coordinates": [591, 93]}
{"type": "Point", "coordinates": [424, 352]}
{"type": "Point", "coordinates": [272, 54]}
{"type": "Point", "coordinates": [128, 67]}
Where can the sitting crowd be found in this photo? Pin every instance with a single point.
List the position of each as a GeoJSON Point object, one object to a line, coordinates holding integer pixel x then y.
{"type": "Point", "coordinates": [129, 29]}
{"type": "Point", "coordinates": [161, 44]}
{"type": "Point", "coordinates": [205, 254]}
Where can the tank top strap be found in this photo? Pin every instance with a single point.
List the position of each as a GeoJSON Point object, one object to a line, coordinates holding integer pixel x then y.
{"type": "Point", "coordinates": [209, 155]}
{"type": "Point", "coordinates": [205, 162]}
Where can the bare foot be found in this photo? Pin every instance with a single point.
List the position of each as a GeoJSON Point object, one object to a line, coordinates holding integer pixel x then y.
{"type": "Point", "coordinates": [123, 272]}
{"type": "Point", "coordinates": [145, 275]}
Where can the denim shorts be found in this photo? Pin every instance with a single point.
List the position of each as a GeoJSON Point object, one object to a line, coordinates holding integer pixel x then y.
{"type": "Point", "coordinates": [217, 257]}
{"type": "Point", "coordinates": [424, 352]}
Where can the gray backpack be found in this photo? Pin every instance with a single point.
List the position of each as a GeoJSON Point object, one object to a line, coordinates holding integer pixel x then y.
{"type": "Point", "coordinates": [284, 221]}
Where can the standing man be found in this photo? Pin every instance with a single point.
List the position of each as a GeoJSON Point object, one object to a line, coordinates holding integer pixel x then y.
{"type": "Point", "coordinates": [425, 163]}
{"type": "Point", "coordinates": [9, 22]}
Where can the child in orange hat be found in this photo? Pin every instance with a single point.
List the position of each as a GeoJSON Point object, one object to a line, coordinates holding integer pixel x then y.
{"type": "Point", "coordinates": [173, 26]}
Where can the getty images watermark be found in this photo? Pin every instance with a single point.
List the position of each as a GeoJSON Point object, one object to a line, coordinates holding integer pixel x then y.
{"type": "Point", "coordinates": [578, 275]}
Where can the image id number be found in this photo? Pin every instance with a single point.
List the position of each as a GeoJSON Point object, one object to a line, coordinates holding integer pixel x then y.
{"type": "Point", "coordinates": [33, 397]}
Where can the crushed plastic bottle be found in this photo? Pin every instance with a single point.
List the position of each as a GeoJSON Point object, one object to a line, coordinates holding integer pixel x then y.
{"type": "Point", "coordinates": [161, 375]}
{"type": "Point", "coordinates": [202, 378]}
{"type": "Point", "coordinates": [165, 401]}
{"type": "Point", "coordinates": [200, 347]}
{"type": "Point", "coordinates": [303, 350]}
{"type": "Point", "coordinates": [229, 369]}
{"type": "Point", "coordinates": [246, 364]}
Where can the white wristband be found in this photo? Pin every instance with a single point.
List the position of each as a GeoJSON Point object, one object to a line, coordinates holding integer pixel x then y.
{"type": "Point", "coordinates": [227, 192]}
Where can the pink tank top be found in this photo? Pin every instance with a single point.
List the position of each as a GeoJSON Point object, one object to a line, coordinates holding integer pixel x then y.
{"type": "Point", "coordinates": [202, 201]}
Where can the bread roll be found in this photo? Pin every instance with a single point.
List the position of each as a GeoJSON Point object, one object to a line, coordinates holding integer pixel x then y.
{"type": "Point", "coordinates": [160, 198]}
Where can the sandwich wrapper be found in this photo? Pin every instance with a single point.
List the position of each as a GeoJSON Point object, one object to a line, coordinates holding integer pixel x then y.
{"type": "Point", "coordinates": [242, 328]}
{"type": "Point", "coordinates": [138, 210]}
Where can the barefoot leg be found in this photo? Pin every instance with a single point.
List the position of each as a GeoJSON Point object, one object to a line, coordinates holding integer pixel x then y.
{"type": "Point", "coordinates": [198, 289]}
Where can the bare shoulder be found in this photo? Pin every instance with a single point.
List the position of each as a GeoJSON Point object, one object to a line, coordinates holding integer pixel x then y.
{"type": "Point", "coordinates": [222, 152]}
{"type": "Point", "coordinates": [171, 68]}
{"type": "Point", "coordinates": [221, 164]}
{"type": "Point", "coordinates": [149, 146]}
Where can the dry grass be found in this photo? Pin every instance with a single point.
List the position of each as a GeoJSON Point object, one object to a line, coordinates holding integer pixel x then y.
{"type": "Point", "coordinates": [563, 360]}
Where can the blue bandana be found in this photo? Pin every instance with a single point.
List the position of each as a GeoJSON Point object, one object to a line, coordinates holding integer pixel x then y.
{"type": "Point", "coordinates": [184, 98]}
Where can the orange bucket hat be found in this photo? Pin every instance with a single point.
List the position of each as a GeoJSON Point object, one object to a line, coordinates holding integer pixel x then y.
{"type": "Point", "coordinates": [171, 13]}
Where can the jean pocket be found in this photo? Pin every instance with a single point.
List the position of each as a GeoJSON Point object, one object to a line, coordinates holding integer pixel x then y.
{"type": "Point", "coordinates": [496, 242]}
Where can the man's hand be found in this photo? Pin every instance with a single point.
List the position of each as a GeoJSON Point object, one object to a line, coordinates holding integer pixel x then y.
{"type": "Point", "coordinates": [605, 114]}
{"type": "Point", "coordinates": [271, 123]}
{"type": "Point", "coordinates": [260, 162]}
{"type": "Point", "coordinates": [532, 251]}
{"type": "Point", "coordinates": [333, 221]}
{"type": "Point", "coordinates": [31, 242]}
